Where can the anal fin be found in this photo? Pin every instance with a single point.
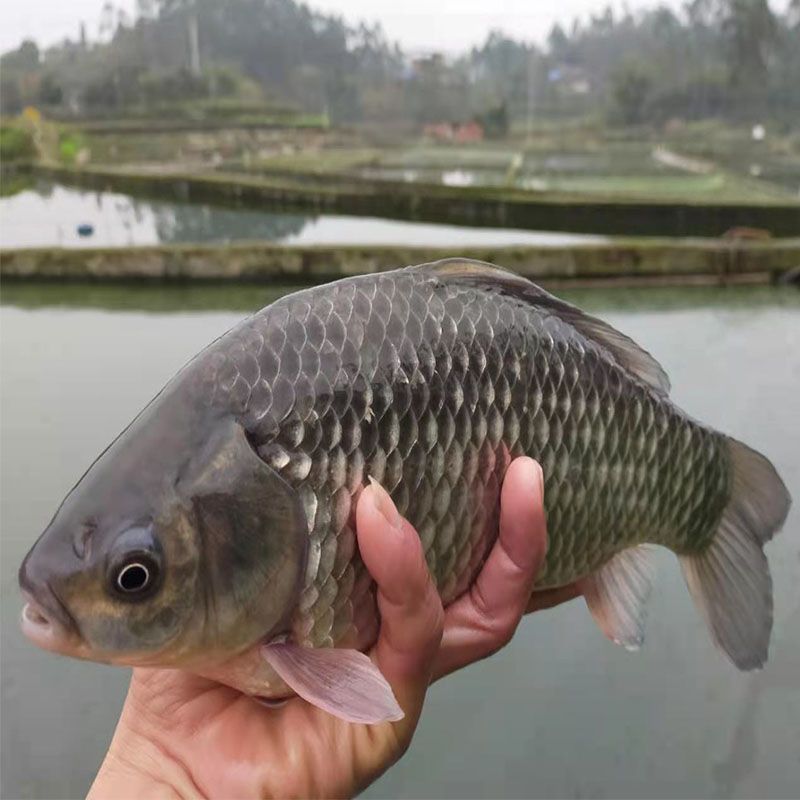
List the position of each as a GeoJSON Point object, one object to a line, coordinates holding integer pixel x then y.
{"type": "Point", "coordinates": [617, 595]}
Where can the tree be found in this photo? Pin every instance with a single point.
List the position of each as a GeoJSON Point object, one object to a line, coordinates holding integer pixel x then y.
{"type": "Point", "coordinates": [50, 92]}
{"type": "Point", "coordinates": [24, 59]}
{"type": "Point", "coordinates": [558, 43]}
{"type": "Point", "coordinates": [749, 28]}
{"type": "Point", "coordinates": [631, 86]}
{"type": "Point", "coordinates": [495, 121]}
{"type": "Point", "coordinates": [709, 58]}
{"type": "Point", "coordinates": [10, 96]}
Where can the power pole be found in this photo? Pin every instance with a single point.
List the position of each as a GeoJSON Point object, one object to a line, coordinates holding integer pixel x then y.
{"type": "Point", "coordinates": [529, 115]}
{"type": "Point", "coordinates": [194, 44]}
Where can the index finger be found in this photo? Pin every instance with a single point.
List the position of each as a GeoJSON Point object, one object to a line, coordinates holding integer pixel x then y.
{"type": "Point", "coordinates": [410, 608]}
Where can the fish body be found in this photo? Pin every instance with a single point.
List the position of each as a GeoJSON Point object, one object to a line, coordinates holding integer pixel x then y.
{"type": "Point", "coordinates": [431, 386]}
{"type": "Point", "coordinates": [429, 380]}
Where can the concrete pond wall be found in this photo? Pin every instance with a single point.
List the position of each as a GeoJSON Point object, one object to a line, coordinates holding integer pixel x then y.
{"type": "Point", "coordinates": [627, 261]}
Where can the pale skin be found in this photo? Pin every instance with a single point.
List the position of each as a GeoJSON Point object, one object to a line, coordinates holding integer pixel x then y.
{"type": "Point", "coordinates": [181, 736]}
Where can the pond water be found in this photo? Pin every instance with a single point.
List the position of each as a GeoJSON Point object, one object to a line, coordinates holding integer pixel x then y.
{"type": "Point", "coordinates": [50, 215]}
{"type": "Point", "coordinates": [631, 170]}
{"type": "Point", "coordinates": [561, 712]}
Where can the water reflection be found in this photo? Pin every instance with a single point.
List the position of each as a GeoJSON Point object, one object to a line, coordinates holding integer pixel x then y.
{"type": "Point", "coordinates": [184, 223]}
{"type": "Point", "coordinates": [49, 215]}
{"type": "Point", "coordinates": [742, 758]}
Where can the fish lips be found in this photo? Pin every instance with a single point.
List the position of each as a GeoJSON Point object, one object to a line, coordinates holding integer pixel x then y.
{"type": "Point", "coordinates": [44, 628]}
{"type": "Point", "coordinates": [45, 620]}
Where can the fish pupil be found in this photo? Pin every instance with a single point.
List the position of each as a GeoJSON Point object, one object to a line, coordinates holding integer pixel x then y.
{"type": "Point", "coordinates": [133, 577]}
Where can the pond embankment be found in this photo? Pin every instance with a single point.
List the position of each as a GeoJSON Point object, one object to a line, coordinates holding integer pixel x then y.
{"type": "Point", "coordinates": [626, 262]}
{"type": "Point", "coordinates": [467, 205]}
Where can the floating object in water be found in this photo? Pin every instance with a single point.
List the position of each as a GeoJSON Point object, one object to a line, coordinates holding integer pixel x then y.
{"type": "Point", "coordinates": [216, 533]}
{"type": "Point", "coordinates": [85, 229]}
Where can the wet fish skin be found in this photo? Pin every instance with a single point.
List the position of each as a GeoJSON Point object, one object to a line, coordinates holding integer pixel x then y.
{"type": "Point", "coordinates": [431, 386]}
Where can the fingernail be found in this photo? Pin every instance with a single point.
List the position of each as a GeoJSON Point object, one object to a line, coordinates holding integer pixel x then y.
{"type": "Point", "coordinates": [536, 476]}
{"type": "Point", "coordinates": [540, 480]}
{"type": "Point", "coordinates": [384, 504]}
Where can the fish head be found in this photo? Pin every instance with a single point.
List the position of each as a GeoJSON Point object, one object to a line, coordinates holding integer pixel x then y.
{"type": "Point", "coordinates": [179, 547]}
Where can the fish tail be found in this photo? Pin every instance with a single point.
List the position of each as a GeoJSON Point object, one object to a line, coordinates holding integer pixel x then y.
{"type": "Point", "coordinates": [730, 580]}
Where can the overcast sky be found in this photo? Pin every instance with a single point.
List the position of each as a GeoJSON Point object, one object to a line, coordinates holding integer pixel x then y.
{"type": "Point", "coordinates": [449, 25]}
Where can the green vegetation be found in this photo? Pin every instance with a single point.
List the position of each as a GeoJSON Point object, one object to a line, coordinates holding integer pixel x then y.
{"type": "Point", "coordinates": [331, 160]}
{"type": "Point", "coordinates": [732, 59]}
{"type": "Point", "coordinates": [718, 185]}
{"type": "Point", "coordinates": [272, 59]}
{"type": "Point", "coordinates": [13, 182]}
{"type": "Point", "coordinates": [16, 143]}
{"type": "Point", "coordinates": [70, 145]}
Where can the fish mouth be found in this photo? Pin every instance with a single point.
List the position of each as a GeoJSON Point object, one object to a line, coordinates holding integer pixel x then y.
{"type": "Point", "coordinates": [47, 628]}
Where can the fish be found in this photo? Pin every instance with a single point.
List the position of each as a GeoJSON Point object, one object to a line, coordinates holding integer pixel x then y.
{"type": "Point", "coordinates": [216, 533]}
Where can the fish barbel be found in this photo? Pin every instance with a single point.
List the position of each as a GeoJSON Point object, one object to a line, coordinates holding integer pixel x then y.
{"type": "Point", "coordinates": [216, 533]}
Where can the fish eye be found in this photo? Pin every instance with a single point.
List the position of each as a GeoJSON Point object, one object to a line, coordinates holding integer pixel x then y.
{"type": "Point", "coordinates": [135, 577]}
{"type": "Point", "coordinates": [135, 565]}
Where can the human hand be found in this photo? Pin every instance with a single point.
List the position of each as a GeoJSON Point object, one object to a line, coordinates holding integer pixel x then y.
{"type": "Point", "coordinates": [180, 735]}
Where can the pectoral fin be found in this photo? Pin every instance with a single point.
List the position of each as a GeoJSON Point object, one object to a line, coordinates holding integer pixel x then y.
{"type": "Point", "coordinates": [617, 596]}
{"type": "Point", "coordinates": [344, 683]}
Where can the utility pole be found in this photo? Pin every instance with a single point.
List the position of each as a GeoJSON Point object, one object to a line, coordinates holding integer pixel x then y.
{"type": "Point", "coordinates": [194, 43]}
{"type": "Point", "coordinates": [529, 114]}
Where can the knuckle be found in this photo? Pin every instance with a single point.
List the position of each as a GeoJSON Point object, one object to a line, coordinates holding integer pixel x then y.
{"type": "Point", "coordinates": [402, 743]}
{"type": "Point", "coordinates": [437, 625]}
{"type": "Point", "coordinates": [485, 619]}
{"type": "Point", "coordinates": [498, 629]}
{"type": "Point", "coordinates": [435, 611]}
{"type": "Point", "coordinates": [506, 633]}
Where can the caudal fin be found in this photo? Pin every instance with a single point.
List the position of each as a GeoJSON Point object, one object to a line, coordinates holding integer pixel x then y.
{"type": "Point", "coordinates": [730, 580]}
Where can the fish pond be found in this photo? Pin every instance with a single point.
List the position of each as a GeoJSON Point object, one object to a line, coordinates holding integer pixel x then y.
{"type": "Point", "coordinates": [45, 214]}
{"type": "Point", "coordinates": [561, 712]}
{"type": "Point", "coordinates": [629, 169]}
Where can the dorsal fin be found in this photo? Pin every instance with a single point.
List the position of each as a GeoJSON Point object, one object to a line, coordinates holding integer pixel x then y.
{"type": "Point", "coordinates": [624, 350]}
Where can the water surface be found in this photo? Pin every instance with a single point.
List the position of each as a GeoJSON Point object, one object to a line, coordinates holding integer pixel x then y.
{"type": "Point", "coordinates": [559, 713]}
{"type": "Point", "coordinates": [50, 215]}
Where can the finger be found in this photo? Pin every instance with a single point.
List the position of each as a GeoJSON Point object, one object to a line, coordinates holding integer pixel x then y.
{"type": "Point", "coordinates": [552, 597]}
{"type": "Point", "coordinates": [410, 608]}
{"type": "Point", "coordinates": [485, 619]}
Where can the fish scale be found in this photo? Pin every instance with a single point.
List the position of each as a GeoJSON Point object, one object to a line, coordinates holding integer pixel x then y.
{"type": "Point", "coordinates": [431, 386]}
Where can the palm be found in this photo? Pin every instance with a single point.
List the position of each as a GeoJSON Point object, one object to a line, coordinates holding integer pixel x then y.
{"type": "Point", "coordinates": [198, 737]}
{"type": "Point", "coordinates": [232, 746]}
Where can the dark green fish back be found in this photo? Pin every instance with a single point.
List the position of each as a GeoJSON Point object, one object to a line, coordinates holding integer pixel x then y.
{"type": "Point", "coordinates": [431, 383]}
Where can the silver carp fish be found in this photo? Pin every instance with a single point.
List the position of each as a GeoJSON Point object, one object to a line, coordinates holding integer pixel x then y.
{"type": "Point", "coordinates": [216, 533]}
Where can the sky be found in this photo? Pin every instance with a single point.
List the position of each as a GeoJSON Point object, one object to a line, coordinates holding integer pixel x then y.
{"type": "Point", "coordinates": [447, 25]}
